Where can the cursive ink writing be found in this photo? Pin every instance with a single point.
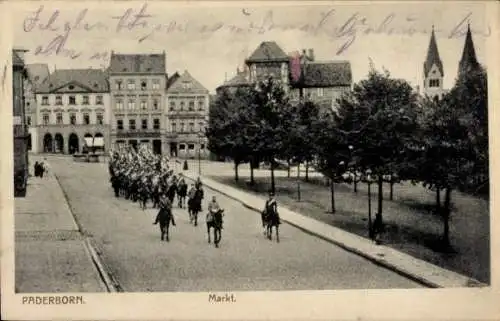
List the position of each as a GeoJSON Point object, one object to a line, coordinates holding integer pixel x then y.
{"type": "Point", "coordinates": [129, 22]}
{"type": "Point", "coordinates": [57, 46]}
{"type": "Point", "coordinates": [343, 29]}
{"type": "Point", "coordinates": [35, 21]}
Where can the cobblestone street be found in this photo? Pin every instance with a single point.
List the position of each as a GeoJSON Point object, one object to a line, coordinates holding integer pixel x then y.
{"type": "Point", "coordinates": [130, 246]}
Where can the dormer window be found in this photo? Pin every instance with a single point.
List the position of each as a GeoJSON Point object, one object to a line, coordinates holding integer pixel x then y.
{"type": "Point", "coordinates": [186, 84]}
{"type": "Point", "coordinates": [71, 87]}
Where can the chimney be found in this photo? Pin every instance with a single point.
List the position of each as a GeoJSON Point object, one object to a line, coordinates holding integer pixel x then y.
{"type": "Point", "coordinates": [311, 54]}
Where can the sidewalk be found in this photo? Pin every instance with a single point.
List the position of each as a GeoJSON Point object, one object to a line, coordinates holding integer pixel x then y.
{"type": "Point", "coordinates": [51, 253]}
{"type": "Point", "coordinates": [419, 270]}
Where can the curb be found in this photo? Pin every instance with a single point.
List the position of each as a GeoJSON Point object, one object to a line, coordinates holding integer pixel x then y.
{"type": "Point", "coordinates": [376, 260]}
{"type": "Point", "coordinates": [111, 285]}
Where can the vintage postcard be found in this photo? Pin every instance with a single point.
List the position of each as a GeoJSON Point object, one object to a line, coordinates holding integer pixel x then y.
{"type": "Point", "coordinates": [249, 160]}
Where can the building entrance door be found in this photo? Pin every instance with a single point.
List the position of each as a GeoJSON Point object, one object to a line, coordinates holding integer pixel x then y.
{"type": "Point", "coordinates": [173, 149]}
{"type": "Point", "coordinates": [157, 146]}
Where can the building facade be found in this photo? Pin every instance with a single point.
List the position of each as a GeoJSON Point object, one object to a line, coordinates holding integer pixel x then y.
{"type": "Point", "coordinates": [321, 81]}
{"type": "Point", "coordinates": [137, 97]}
{"type": "Point", "coordinates": [37, 74]}
{"type": "Point", "coordinates": [187, 103]}
{"type": "Point", "coordinates": [20, 129]}
{"type": "Point", "coordinates": [72, 105]}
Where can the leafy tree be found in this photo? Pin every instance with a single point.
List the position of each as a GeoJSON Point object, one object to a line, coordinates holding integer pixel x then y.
{"type": "Point", "coordinates": [378, 118]}
{"type": "Point", "coordinates": [273, 120]}
{"type": "Point", "coordinates": [228, 114]}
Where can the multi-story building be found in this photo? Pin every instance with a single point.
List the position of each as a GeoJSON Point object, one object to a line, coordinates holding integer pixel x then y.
{"type": "Point", "coordinates": [37, 74]}
{"type": "Point", "coordinates": [72, 106]}
{"type": "Point", "coordinates": [137, 89]}
{"type": "Point", "coordinates": [20, 129]}
{"type": "Point", "coordinates": [187, 117]}
{"type": "Point", "coordinates": [321, 81]}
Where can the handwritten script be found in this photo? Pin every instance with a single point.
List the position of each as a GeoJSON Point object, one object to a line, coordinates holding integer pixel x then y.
{"type": "Point", "coordinates": [142, 25]}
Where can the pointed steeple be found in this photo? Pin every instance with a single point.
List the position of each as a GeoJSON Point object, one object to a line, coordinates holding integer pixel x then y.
{"type": "Point", "coordinates": [469, 59]}
{"type": "Point", "coordinates": [433, 56]}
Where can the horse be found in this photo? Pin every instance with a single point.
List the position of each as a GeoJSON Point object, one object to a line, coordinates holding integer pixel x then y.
{"type": "Point", "coordinates": [194, 206]}
{"type": "Point", "coordinates": [214, 220]}
{"type": "Point", "coordinates": [164, 218]}
{"type": "Point", "coordinates": [270, 219]}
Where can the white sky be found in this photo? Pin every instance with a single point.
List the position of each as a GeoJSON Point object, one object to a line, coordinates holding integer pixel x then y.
{"type": "Point", "coordinates": [209, 55]}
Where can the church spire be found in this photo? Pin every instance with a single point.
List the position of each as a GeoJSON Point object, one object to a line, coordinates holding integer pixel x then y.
{"type": "Point", "coordinates": [433, 56]}
{"type": "Point", "coordinates": [469, 59]}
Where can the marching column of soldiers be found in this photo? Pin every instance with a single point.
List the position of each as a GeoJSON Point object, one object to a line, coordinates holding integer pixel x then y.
{"type": "Point", "coordinates": [141, 176]}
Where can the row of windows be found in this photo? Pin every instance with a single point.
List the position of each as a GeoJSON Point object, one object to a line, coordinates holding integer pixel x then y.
{"type": "Point", "coordinates": [433, 82]}
{"type": "Point", "coordinates": [72, 119]}
{"type": "Point", "coordinates": [131, 104]}
{"type": "Point", "coordinates": [173, 106]}
{"type": "Point", "coordinates": [190, 146]}
{"type": "Point", "coordinates": [156, 125]}
{"type": "Point", "coordinates": [99, 100]}
{"type": "Point", "coordinates": [131, 84]}
{"type": "Point", "coordinates": [132, 124]}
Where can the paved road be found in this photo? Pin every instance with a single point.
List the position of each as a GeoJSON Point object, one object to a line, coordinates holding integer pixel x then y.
{"type": "Point", "coordinates": [245, 261]}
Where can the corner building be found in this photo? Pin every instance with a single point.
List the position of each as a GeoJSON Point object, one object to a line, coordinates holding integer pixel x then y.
{"type": "Point", "coordinates": [137, 90]}
{"type": "Point", "coordinates": [71, 105]}
{"type": "Point", "coordinates": [187, 116]}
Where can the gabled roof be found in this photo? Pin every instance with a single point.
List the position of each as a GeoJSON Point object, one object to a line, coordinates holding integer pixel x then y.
{"type": "Point", "coordinates": [469, 59]}
{"type": "Point", "coordinates": [268, 51]}
{"type": "Point", "coordinates": [326, 74]}
{"type": "Point", "coordinates": [137, 63]}
{"type": "Point", "coordinates": [16, 59]}
{"type": "Point", "coordinates": [90, 80]}
{"type": "Point", "coordinates": [239, 80]}
{"type": "Point", "coordinates": [186, 84]}
{"type": "Point", "coordinates": [37, 73]}
{"type": "Point", "coordinates": [433, 56]}
{"type": "Point", "coordinates": [172, 79]}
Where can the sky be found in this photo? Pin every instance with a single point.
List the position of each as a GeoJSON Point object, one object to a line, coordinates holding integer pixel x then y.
{"type": "Point", "coordinates": [211, 40]}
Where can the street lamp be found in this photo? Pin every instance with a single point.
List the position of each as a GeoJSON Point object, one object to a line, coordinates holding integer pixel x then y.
{"type": "Point", "coordinates": [369, 181]}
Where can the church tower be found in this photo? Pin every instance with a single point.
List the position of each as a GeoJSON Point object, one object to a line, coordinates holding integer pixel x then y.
{"type": "Point", "coordinates": [469, 61]}
{"type": "Point", "coordinates": [433, 70]}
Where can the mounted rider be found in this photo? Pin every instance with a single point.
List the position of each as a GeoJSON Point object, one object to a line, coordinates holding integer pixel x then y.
{"type": "Point", "coordinates": [213, 208]}
{"type": "Point", "coordinates": [165, 205]}
{"type": "Point", "coordinates": [271, 207]}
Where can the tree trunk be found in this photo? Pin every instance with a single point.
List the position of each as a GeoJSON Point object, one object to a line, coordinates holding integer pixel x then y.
{"type": "Point", "coordinates": [391, 192]}
{"type": "Point", "coordinates": [446, 217]}
{"type": "Point", "coordinates": [307, 171]}
{"type": "Point", "coordinates": [380, 194]}
{"type": "Point", "coordinates": [288, 171]}
{"type": "Point", "coordinates": [272, 178]}
{"type": "Point", "coordinates": [355, 183]}
{"type": "Point", "coordinates": [438, 200]}
{"type": "Point", "coordinates": [298, 182]}
{"type": "Point", "coordinates": [332, 194]}
{"type": "Point", "coordinates": [236, 176]}
{"type": "Point", "coordinates": [252, 181]}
